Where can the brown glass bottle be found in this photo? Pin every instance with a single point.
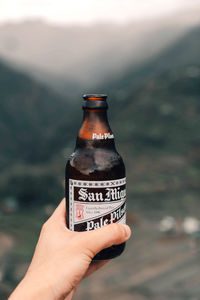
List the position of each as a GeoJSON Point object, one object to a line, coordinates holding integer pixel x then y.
{"type": "Point", "coordinates": [95, 176]}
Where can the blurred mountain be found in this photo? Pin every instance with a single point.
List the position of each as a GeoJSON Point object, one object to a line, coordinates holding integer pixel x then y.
{"type": "Point", "coordinates": [73, 58]}
{"type": "Point", "coordinates": [35, 124]}
{"type": "Point", "coordinates": [183, 52]}
{"type": "Point", "coordinates": [159, 102]}
{"type": "Point", "coordinates": [162, 113]}
{"type": "Point", "coordinates": [29, 118]}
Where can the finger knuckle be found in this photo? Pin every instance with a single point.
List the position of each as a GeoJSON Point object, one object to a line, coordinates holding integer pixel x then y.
{"type": "Point", "coordinates": [89, 252]}
{"type": "Point", "coordinates": [116, 229]}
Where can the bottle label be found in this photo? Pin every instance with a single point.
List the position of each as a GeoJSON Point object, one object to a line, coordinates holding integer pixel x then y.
{"type": "Point", "coordinates": [93, 204]}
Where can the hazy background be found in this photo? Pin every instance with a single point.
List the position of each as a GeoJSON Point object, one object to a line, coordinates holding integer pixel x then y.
{"type": "Point", "coordinates": [145, 54]}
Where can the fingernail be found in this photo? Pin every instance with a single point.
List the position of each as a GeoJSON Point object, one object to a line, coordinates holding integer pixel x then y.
{"type": "Point", "coordinates": [127, 230]}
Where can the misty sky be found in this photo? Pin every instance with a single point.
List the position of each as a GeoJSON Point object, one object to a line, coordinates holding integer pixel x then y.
{"type": "Point", "coordinates": [86, 11]}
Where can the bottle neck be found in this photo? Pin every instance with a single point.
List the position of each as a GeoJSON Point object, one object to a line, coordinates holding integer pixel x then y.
{"type": "Point", "coordinates": [95, 131]}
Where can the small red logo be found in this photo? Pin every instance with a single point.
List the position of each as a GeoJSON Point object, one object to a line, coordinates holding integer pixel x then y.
{"type": "Point", "coordinates": [79, 211]}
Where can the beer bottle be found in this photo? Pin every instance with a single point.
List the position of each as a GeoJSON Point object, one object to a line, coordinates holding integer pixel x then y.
{"type": "Point", "coordinates": [95, 176]}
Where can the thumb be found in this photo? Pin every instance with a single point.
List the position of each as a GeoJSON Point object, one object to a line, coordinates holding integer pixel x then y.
{"type": "Point", "coordinates": [99, 239]}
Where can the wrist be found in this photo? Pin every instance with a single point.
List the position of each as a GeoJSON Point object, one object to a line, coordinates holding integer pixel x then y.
{"type": "Point", "coordinates": [30, 288]}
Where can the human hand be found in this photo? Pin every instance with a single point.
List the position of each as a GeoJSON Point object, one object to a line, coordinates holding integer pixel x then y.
{"type": "Point", "coordinates": [63, 257]}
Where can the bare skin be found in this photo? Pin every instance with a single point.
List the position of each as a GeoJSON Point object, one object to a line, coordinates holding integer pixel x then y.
{"type": "Point", "coordinates": [63, 258]}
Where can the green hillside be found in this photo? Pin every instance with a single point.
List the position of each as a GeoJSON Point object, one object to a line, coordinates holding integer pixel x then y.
{"type": "Point", "coordinates": [164, 114]}
{"type": "Point", "coordinates": [34, 125]}
{"type": "Point", "coordinates": [30, 115]}
{"type": "Point", "coordinates": [157, 106]}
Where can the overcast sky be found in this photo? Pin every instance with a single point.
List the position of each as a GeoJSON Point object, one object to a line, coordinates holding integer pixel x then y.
{"type": "Point", "coordinates": [86, 11]}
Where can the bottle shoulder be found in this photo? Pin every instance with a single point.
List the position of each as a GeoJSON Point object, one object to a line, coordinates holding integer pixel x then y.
{"type": "Point", "coordinates": [95, 162]}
